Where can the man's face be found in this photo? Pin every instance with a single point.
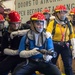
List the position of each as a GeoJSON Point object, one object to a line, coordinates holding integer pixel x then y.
{"type": "Point", "coordinates": [39, 25]}
{"type": "Point", "coordinates": [61, 15]}
{"type": "Point", "coordinates": [15, 26]}
{"type": "Point", "coordinates": [47, 15]}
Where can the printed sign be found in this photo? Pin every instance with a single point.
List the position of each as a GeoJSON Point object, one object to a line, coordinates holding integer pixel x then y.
{"type": "Point", "coordinates": [27, 7]}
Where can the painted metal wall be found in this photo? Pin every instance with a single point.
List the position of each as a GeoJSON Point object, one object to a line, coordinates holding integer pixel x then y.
{"type": "Point", "coordinates": [9, 4]}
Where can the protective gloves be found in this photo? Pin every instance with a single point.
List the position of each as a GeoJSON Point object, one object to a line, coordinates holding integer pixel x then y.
{"type": "Point", "coordinates": [29, 53]}
{"type": "Point", "coordinates": [19, 32]}
{"type": "Point", "coordinates": [73, 47]}
{"type": "Point", "coordinates": [11, 52]}
{"type": "Point", "coordinates": [23, 32]}
{"type": "Point", "coordinates": [48, 35]}
{"type": "Point", "coordinates": [13, 34]}
{"type": "Point", "coordinates": [47, 58]}
{"type": "Point", "coordinates": [73, 54]}
{"type": "Point", "coordinates": [52, 17]}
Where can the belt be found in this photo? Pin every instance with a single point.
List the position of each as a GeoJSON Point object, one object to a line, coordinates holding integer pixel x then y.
{"type": "Point", "coordinates": [58, 42]}
{"type": "Point", "coordinates": [37, 60]}
{"type": "Point", "coordinates": [61, 43]}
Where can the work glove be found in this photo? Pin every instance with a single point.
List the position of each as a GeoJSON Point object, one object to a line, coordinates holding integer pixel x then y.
{"type": "Point", "coordinates": [13, 34]}
{"type": "Point", "coordinates": [19, 32]}
{"type": "Point", "coordinates": [12, 52]}
{"type": "Point", "coordinates": [73, 54]}
{"type": "Point", "coordinates": [73, 47]}
{"type": "Point", "coordinates": [47, 58]}
{"type": "Point", "coordinates": [52, 17]}
{"type": "Point", "coordinates": [23, 32]}
{"type": "Point", "coordinates": [29, 53]}
{"type": "Point", "coordinates": [48, 35]}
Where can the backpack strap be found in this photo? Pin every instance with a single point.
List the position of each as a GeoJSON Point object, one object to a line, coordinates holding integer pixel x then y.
{"type": "Point", "coordinates": [69, 26]}
{"type": "Point", "coordinates": [27, 41]}
{"type": "Point", "coordinates": [66, 21]}
{"type": "Point", "coordinates": [54, 26]}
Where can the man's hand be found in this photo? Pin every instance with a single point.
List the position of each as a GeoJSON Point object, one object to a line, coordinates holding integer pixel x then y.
{"type": "Point", "coordinates": [29, 53]}
{"type": "Point", "coordinates": [13, 34]}
{"type": "Point", "coordinates": [47, 57]}
{"type": "Point", "coordinates": [73, 47]}
{"type": "Point", "coordinates": [73, 54]}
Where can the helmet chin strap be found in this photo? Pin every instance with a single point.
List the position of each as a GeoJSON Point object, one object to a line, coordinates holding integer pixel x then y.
{"type": "Point", "coordinates": [59, 18]}
{"type": "Point", "coordinates": [63, 23]}
{"type": "Point", "coordinates": [34, 27]}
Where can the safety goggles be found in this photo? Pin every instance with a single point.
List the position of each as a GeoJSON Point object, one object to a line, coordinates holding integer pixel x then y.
{"type": "Point", "coordinates": [39, 22]}
{"type": "Point", "coordinates": [63, 12]}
